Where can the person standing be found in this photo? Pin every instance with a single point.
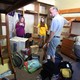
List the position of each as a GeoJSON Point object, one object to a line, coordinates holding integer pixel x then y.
{"type": "Point", "coordinates": [20, 25]}
{"type": "Point", "coordinates": [55, 31]}
{"type": "Point", "coordinates": [43, 28]}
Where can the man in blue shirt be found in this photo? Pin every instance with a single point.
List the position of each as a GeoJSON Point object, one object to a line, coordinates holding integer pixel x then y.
{"type": "Point", "coordinates": [55, 31]}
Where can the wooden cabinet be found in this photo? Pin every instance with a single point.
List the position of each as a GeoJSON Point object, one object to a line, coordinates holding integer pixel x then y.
{"type": "Point", "coordinates": [67, 48]}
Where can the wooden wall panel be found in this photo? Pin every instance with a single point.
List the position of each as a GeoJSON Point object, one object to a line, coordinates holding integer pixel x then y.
{"type": "Point", "coordinates": [76, 18]}
{"type": "Point", "coordinates": [75, 10]}
{"type": "Point", "coordinates": [68, 11]}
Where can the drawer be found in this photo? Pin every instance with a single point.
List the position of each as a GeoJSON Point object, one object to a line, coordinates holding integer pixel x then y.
{"type": "Point", "coordinates": [66, 51]}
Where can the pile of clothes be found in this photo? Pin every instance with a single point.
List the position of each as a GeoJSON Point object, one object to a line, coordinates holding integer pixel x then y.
{"type": "Point", "coordinates": [77, 47]}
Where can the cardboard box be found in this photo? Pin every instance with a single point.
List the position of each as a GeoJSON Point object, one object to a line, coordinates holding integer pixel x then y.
{"type": "Point", "coordinates": [34, 49]}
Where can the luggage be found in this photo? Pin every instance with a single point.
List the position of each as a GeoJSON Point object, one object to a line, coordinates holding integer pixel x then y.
{"type": "Point", "coordinates": [25, 53]}
{"type": "Point", "coordinates": [36, 56]}
{"type": "Point", "coordinates": [77, 47]}
{"type": "Point", "coordinates": [28, 35]}
{"type": "Point", "coordinates": [29, 43]}
{"type": "Point", "coordinates": [32, 65]}
{"type": "Point", "coordinates": [77, 51]}
{"type": "Point", "coordinates": [65, 70]}
{"type": "Point", "coordinates": [17, 60]}
{"type": "Point", "coordinates": [48, 70]}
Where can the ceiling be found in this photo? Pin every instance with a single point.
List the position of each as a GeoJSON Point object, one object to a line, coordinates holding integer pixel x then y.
{"type": "Point", "coordinates": [7, 6]}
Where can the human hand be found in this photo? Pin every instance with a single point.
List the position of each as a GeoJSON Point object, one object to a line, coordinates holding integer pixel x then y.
{"type": "Point", "coordinates": [73, 19]}
{"type": "Point", "coordinates": [35, 26]}
{"type": "Point", "coordinates": [45, 45]}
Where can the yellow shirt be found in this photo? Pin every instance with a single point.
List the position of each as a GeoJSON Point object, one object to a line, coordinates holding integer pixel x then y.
{"type": "Point", "coordinates": [42, 30]}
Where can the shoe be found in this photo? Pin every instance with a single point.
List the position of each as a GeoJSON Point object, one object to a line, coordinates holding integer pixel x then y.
{"type": "Point", "coordinates": [38, 77]}
{"type": "Point", "coordinates": [44, 61]}
{"type": "Point", "coordinates": [55, 77]}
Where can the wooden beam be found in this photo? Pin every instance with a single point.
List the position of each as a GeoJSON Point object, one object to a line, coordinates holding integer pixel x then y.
{"type": "Point", "coordinates": [76, 18]}
{"type": "Point", "coordinates": [68, 11]}
{"type": "Point", "coordinates": [75, 10]}
{"type": "Point", "coordinates": [18, 4]}
{"type": "Point", "coordinates": [27, 12]}
{"type": "Point", "coordinates": [2, 11]}
{"type": "Point", "coordinates": [7, 2]}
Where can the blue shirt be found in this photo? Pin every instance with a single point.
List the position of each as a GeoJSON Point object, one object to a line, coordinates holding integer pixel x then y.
{"type": "Point", "coordinates": [57, 24]}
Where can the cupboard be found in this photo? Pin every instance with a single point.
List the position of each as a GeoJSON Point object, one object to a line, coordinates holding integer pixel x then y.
{"type": "Point", "coordinates": [67, 48]}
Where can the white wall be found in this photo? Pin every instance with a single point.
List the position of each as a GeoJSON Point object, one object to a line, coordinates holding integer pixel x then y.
{"type": "Point", "coordinates": [29, 23]}
{"type": "Point", "coordinates": [12, 22]}
{"type": "Point", "coordinates": [67, 4]}
{"type": "Point", "coordinates": [51, 2]}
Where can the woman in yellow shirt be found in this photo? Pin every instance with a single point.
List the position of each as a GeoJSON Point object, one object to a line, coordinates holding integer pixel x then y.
{"type": "Point", "coordinates": [43, 28]}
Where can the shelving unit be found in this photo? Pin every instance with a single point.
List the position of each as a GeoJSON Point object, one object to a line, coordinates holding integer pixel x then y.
{"type": "Point", "coordinates": [5, 54]}
{"type": "Point", "coordinates": [42, 11]}
{"type": "Point", "coordinates": [39, 10]}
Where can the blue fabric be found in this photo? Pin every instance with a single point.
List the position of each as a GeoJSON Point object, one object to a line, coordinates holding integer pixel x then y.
{"type": "Point", "coordinates": [57, 25]}
{"type": "Point", "coordinates": [52, 46]}
{"type": "Point", "coordinates": [11, 13]}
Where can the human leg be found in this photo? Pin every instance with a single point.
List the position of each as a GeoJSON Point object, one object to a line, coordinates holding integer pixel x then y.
{"type": "Point", "coordinates": [51, 50]}
{"type": "Point", "coordinates": [40, 40]}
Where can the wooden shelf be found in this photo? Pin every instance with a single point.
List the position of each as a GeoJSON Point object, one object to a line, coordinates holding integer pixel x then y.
{"type": "Point", "coordinates": [11, 5]}
{"type": "Point", "coordinates": [5, 54]}
{"type": "Point", "coordinates": [27, 11]}
{"type": "Point", "coordinates": [43, 14]}
{"type": "Point", "coordinates": [2, 36]}
{"type": "Point", "coordinates": [31, 12]}
{"type": "Point", "coordinates": [71, 11]}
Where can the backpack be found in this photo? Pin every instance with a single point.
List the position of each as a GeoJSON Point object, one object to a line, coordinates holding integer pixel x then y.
{"type": "Point", "coordinates": [17, 60]}
{"type": "Point", "coordinates": [66, 70]}
{"type": "Point", "coordinates": [50, 68]}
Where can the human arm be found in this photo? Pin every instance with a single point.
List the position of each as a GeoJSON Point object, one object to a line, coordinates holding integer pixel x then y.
{"type": "Point", "coordinates": [50, 36]}
{"type": "Point", "coordinates": [69, 22]}
{"type": "Point", "coordinates": [46, 27]}
{"type": "Point", "coordinates": [37, 26]}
